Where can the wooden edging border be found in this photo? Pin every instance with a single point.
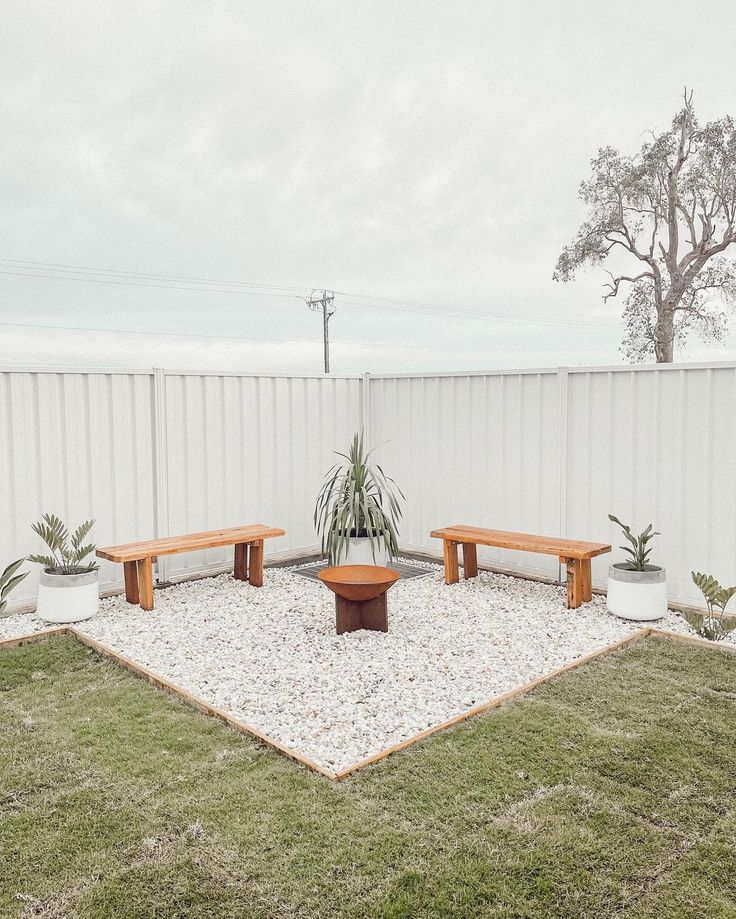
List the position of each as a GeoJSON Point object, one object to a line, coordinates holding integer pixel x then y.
{"type": "Point", "coordinates": [243, 727]}
{"type": "Point", "coordinates": [161, 682]}
{"type": "Point", "coordinates": [9, 643]}
{"type": "Point", "coordinates": [194, 701]}
{"type": "Point", "coordinates": [496, 702]}
{"type": "Point", "coordinates": [692, 640]}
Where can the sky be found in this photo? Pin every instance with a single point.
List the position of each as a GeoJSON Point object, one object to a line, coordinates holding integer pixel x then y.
{"type": "Point", "coordinates": [421, 159]}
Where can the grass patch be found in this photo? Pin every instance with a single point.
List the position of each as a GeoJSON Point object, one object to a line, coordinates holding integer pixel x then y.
{"type": "Point", "coordinates": [609, 792]}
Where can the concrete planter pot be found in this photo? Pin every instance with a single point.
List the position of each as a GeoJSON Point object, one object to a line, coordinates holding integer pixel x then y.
{"type": "Point", "coordinates": [637, 595]}
{"type": "Point", "coordinates": [68, 597]}
{"type": "Point", "coordinates": [359, 553]}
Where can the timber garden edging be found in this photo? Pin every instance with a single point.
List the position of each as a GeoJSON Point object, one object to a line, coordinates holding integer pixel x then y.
{"type": "Point", "coordinates": [246, 729]}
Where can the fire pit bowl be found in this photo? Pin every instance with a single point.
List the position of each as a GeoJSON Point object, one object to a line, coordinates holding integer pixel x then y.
{"type": "Point", "coordinates": [360, 595]}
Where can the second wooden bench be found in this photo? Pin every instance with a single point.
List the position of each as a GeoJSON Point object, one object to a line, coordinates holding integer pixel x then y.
{"type": "Point", "coordinates": [573, 553]}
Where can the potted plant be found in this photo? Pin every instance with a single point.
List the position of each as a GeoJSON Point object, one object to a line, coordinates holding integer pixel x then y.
{"type": "Point", "coordinates": [68, 590]}
{"type": "Point", "coordinates": [715, 624]}
{"type": "Point", "coordinates": [8, 581]}
{"type": "Point", "coordinates": [358, 510]}
{"type": "Point", "coordinates": [636, 589]}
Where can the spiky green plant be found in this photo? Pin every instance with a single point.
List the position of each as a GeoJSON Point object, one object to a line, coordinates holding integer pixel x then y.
{"type": "Point", "coordinates": [715, 624]}
{"type": "Point", "coordinates": [68, 551]}
{"type": "Point", "coordinates": [638, 545]}
{"type": "Point", "coordinates": [10, 580]}
{"type": "Point", "coordinates": [358, 499]}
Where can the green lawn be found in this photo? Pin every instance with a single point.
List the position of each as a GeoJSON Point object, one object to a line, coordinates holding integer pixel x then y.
{"type": "Point", "coordinates": [610, 791]}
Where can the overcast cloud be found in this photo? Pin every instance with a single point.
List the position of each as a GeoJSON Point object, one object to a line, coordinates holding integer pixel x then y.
{"type": "Point", "coordinates": [423, 151]}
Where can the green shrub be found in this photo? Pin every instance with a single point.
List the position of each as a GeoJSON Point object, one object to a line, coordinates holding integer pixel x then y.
{"type": "Point", "coordinates": [715, 624]}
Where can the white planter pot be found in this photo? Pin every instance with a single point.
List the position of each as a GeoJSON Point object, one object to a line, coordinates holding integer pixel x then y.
{"type": "Point", "coordinates": [68, 597]}
{"type": "Point", "coordinates": [637, 595]}
{"type": "Point", "coordinates": [359, 553]}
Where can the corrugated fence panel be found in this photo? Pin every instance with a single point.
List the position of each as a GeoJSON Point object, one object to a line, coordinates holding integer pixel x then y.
{"type": "Point", "coordinates": [475, 449]}
{"type": "Point", "coordinates": [656, 446]}
{"type": "Point", "coordinates": [77, 445]}
{"type": "Point", "coordinates": [252, 449]}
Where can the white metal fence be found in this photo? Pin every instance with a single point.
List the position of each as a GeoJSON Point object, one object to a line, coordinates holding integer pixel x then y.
{"type": "Point", "coordinates": [553, 451]}
{"type": "Point", "coordinates": [251, 450]}
{"type": "Point", "coordinates": [155, 453]}
{"type": "Point", "coordinates": [151, 453]}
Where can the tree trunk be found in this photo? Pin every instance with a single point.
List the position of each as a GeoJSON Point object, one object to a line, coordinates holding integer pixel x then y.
{"type": "Point", "coordinates": [664, 335]}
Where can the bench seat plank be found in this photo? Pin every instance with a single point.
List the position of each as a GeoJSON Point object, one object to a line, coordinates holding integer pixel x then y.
{"type": "Point", "coordinates": [524, 542]}
{"type": "Point", "coordinates": [172, 545]}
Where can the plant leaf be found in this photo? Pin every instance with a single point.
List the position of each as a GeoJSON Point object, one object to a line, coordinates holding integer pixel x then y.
{"type": "Point", "coordinates": [13, 582]}
{"type": "Point", "coordinates": [10, 571]}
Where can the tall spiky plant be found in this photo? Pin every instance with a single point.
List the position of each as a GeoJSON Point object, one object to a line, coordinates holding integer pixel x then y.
{"type": "Point", "coordinates": [358, 499]}
{"type": "Point", "coordinates": [67, 551]}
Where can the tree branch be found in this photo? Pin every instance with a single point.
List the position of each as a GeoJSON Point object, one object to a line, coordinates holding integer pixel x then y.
{"type": "Point", "coordinates": [616, 282]}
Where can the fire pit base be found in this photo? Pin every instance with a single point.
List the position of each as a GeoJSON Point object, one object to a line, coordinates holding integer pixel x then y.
{"type": "Point", "coordinates": [355, 614]}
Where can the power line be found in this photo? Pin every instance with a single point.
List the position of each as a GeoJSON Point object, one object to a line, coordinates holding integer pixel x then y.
{"type": "Point", "coordinates": [480, 316]}
{"type": "Point", "coordinates": [54, 266]}
{"type": "Point", "coordinates": [149, 332]}
{"type": "Point", "coordinates": [156, 332]}
{"type": "Point", "coordinates": [214, 290]}
{"type": "Point", "coordinates": [128, 279]}
{"type": "Point", "coordinates": [79, 328]}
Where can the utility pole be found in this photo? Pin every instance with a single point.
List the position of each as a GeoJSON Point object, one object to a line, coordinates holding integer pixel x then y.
{"type": "Point", "coordinates": [323, 300]}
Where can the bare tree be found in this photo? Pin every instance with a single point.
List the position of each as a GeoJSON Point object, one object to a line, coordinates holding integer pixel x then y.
{"type": "Point", "coordinates": [670, 211]}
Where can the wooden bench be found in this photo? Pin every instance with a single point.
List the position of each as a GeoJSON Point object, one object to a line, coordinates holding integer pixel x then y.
{"type": "Point", "coordinates": [138, 557]}
{"type": "Point", "coordinates": [573, 553]}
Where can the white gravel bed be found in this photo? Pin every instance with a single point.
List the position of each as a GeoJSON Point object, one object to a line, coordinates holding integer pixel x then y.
{"type": "Point", "coordinates": [270, 656]}
{"type": "Point", "coordinates": [22, 624]}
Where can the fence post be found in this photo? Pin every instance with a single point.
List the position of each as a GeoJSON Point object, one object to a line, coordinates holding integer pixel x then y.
{"type": "Point", "coordinates": [562, 448]}
{"type": "Point", "coordinates": [161, 468]}
{"type": "Point", "coordinates": [365, 407]}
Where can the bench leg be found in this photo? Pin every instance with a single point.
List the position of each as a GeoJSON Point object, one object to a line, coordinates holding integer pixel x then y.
{"type": "Point", "coordinates": [587, 580]}
{"type": "Point", "coordinates": [255, 573]}
{"type": "Point", "coordinates": [449, 549]}
{"type": "Point", "coordinates": [145, 582]}
{"type": "Point", "coordinates": [574, 583]}
{"type": "Point", "coordinates": [470, 559]}
{"type": "Point", "coordinates": [240, 569]}
{"type": "Point", "coordinates": [130, 572]}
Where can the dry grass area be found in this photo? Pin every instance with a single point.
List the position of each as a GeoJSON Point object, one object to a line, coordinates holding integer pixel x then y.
{"type": "Point", "coordinates": [608, 792]}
